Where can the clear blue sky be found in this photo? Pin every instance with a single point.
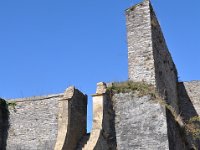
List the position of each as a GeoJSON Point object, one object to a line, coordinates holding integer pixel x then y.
{"type": "Point", "coordinates": [47, 45]}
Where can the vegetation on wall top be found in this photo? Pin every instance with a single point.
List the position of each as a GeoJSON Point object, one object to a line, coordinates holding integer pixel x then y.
{"type": "Point", "coordinates": [189, 127]}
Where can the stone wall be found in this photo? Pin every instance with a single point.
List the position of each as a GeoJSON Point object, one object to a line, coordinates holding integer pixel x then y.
{"type": "Point", "coordinates": [72, 120]}
{"type": "Point", "coordinates": [189, 104]}
{"type": "Point", "coordinates": [166, 80]}
{"type": "Point", "coordinates": [165, 69]}
{"type": "Point", "coordinates": [148, 56]}
{"type": "Point", "coordinates": [150, 61]}
{"type": "Point", "coordinates": [52, 122]}
{"type": "Point", "coordinates": [189, 92]}
{"type": "Point", "coordinates": [33, 123]}
{"type": "Point", "coordinates": [140, 52]}
{"type": "Point", "coordinates": [4, 125]}
{"type": "Point", "coordinates": [140, 123]}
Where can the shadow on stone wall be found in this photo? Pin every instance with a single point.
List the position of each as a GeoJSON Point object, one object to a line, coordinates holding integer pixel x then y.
{"type": "Point", "coordinates": [186, 107]}
{"type": "Point", "coordinates": [107, 137]}
{"type": "Point", "coordinates": [4, 124]}
{"type": "Point", "coordinates": [188, 113]}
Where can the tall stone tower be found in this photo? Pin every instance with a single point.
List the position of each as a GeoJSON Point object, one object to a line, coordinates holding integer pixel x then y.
{"type": "Point", "coordinates": [149, 60]}
{"type": "Point", "coordinates": [148, 57]}
{"type": "Point", "coordinates": [141, 67]}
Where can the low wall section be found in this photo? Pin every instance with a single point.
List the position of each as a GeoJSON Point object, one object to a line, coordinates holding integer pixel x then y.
{"type": "Point", "coordinates": [33, 123]}
{"type": "Point", "coordinates": [53, 122]}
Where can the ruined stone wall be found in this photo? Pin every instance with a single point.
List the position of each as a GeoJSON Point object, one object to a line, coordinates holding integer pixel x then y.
{"type": "Point", "coordinates": [52, 122]}
{"type": "Point", "coordinates": [33, 123]}
{"type": "Point", "coordinates": [140, 123]}
{"type": "Point", "coordinates": [148, 56]}
{"type": "Point", "coordinates": [165, 69]}
{"type": "Point", "coordinates": [72, 120]}
{"type": "Point", "coordinates": [189, 92]}
{"type": "Point", "coordinates": [189, 104]}
{"type": "Point", "coordinates": [150, 61]}
{"type": "Point", "coordinates": [166, 80]}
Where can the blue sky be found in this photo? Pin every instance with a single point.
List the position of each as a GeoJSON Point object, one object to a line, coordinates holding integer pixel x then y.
{"type": "Point", "coordinates": [47, 45]}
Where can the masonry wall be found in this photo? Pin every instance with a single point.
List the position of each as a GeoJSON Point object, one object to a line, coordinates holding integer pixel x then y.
{"type": "Point", "coordinates": [150, 61]}
{"type": "Point", "coordinates": [72, 122]}
{"type": "Point", "coordinates": [165, 69]}
{"type": "Point", "coordinates": [189, 104]}
{"type": "Point", "coordinates": [148, 56]}
{"type": "Point", "coordinates": [140, 123]}
{"type": "Point", "coordinates": [166, 81]}
{"type": "Point", "coordinates": [190, 92]}
{"type": "Point", "coordinates": [52, 122]}
{"type": "Point", "coordinates": [4, 125]}
{"type": "Point", "coordinates": [140, 51]}
{"type": "Point", "coordinates": [33, 123]}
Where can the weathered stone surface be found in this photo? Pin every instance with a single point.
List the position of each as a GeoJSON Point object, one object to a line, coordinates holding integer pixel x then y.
{"type": "Point", "coordinates": [72, 119]}
{"type": "Point", "coordinates": [140, 51]}
{"type": "Point", "coordinates": [101, 88]}
{"type": "Point", "coordinates": [190, 91]}
{"type": "Point", "coordinates": [148, 56]}
{"type": "Point", "coordinates": [140, 123]}
{"type": "Point", "coordinates": [189, 103]}
{"type": "Point", "coordinates": [40, 123]}
{"type": "Point", "coordinates": [102, 136]}
{"type": "Point", "coordinates": [150, 61]}
{"type": "Point", "coordinates": [33, 123]}
{"type": "Point", "coordinates": [165, 69]}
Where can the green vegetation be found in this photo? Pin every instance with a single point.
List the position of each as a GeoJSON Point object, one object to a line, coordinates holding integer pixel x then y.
{"type": "Point", "coordinates": [11, 104]}
{"type": "Point", "coordinates": [129, 86]}
{"type": "Point", "coordinates": [193, 127]}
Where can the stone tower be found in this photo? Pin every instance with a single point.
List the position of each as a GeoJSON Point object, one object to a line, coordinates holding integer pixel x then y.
{"type": "Point", "coordinates": [149, 59]}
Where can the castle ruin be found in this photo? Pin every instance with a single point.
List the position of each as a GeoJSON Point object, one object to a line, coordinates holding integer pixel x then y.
{"type": "Point", "coordinates": [126, 115]}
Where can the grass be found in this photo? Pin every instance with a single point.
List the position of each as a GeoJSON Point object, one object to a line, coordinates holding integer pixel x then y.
{"type": "Point", "coordinates": [129, 86]}
{"type": "Point", "coordinates": [193, 127]}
